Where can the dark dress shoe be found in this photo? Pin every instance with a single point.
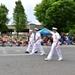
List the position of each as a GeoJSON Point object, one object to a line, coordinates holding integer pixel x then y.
{"type": "Point", "coordinates": [36, 52]}
{"type": "Point", "coordinates": [26, 52]}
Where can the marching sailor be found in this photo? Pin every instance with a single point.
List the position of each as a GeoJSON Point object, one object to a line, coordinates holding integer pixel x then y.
{"type": "Point", "coordinates": [55, 45]}
{"type": "Point", "coordinates": [31, 41]}
{"type": "Point", "coordinates": [37, 43]}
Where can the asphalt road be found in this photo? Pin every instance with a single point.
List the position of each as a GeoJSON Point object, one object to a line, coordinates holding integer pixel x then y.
{"type": "Point", "coordinates": [13, 61]}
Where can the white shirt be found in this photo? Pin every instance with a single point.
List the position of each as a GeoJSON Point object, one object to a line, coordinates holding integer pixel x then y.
{"type": "Point", "coordinates": [31, 38]}
{"type": "Point", "coordinates": [55, 36]}
{"type": "Point", "coordinates": [38, 35]}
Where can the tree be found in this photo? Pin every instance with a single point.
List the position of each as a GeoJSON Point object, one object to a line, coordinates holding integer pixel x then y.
{"type": "Point", "coordinates": [58, 13]}
{"type": "Point", "coordinates": [3, 18]}
{"type": "Point", "coordinates": [19, 17]}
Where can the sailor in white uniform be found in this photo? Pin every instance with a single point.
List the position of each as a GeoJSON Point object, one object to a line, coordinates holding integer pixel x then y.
{"type": "Point", "coordinates": [55, 45]}
{"type": "Point", "coordinates": [37, 43]}
{"type": "Point", "coordinates": [31, 41]}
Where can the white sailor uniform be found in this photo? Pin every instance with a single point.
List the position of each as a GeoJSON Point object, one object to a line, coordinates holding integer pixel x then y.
{"type": "Point", "coordinates": [37, 43]}
{"type": "Point", "coordinates": [55, 36]}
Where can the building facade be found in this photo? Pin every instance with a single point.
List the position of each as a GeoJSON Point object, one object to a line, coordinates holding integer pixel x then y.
{"type": "Point", "coordinates": [30, 26]}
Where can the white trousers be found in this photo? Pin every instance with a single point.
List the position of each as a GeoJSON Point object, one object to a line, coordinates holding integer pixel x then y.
{"type": "Point", "coordinates": [38, 43]}
{"type": "Point", "coordinates": [53, 48]}
{"type": "Point", "coordinates": [29, 46]}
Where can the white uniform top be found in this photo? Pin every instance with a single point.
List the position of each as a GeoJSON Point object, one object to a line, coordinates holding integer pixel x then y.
{"type": "Point", "coordinates": [38, 35]}
{"type": "Point", "coordinates": [31, 38]}
{"type": "Point", "coordinates": [55, 36]}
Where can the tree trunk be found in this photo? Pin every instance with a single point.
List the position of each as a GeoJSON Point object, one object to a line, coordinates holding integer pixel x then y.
{"type": "Point", "coordinates": [17, 34]}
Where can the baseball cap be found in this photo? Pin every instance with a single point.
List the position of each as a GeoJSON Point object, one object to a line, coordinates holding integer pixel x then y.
{"type": "Point", "coordinates": [54, 28]}
{"type": "Point", "coordinates": [36, 28]}
{"type": "Point", "coordinates": [30, 30]}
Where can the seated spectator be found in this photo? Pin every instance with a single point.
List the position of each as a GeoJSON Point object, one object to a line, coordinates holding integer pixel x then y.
{"type": "Point", "coordinates": [72, 38]}
{"type": "Point", "coordinates": [73, 42]}
{"type": "Point", "coordinates": [14, 41]}
{"type": "Point", "coordinates": [44, 40]}
{"type": "Point", "coordinates": [21, 41]}
{"type": "Point", "coordinates": [48, 43]}
{"type": "Point", "coordinates": [6, 40]}
{"type": "Point", "coordinates": [1, 42]}
{"type": "Point", "coordinates": [63, 40]}
{"type": "Point", "coordinates": [68, 41]}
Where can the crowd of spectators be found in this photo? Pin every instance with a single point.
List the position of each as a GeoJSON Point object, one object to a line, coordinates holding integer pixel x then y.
{"type": "Point", "coordinates": [65, 40]}
{"type": "Point", "coordinates": [46, 40]}
{"type": "Point", "coordinates": [13, 41]}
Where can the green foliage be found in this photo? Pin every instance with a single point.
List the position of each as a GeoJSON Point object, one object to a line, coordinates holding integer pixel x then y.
{"type": "Point", "coordinates": [19, 16]}
{"type": "Point", "coordinates": [72, 31]}
{"type": "Point", "coordinates": [3, 18]}
{"type": "Point", "coordinates": [58, 13]}
{"type": "Point", "coordinates": [40, 10]}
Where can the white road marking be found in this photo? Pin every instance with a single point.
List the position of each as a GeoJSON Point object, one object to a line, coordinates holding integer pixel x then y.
{"type": "Point", "coordinates": [17, 50]}
{"type": "Point", "coordinates": [4, 51]}
{"type": "Point", "coordinates": [17, 54]}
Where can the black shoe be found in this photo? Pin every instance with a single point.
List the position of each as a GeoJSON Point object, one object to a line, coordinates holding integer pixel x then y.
{"type": "Point", "coordinates": [26, 52]}
{"type": "Point", "coordinates": [36, 52]}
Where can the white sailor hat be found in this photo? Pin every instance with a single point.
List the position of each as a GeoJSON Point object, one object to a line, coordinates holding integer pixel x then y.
{"type": "Point", "coordinates": [30, 30]}
{"type": "Point", "coordinates": [54, 28]}
{"type": "Point", "coordinates": [36, 28]}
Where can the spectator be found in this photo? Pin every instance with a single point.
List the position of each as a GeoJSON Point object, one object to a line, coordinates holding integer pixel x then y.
{"type": "Point", "coordinates": [68, 40]}
{"type": "Point", "coordinates": [1, 42]}
{"type": "Point", "coordinates": [21, 41]}
{"type": "Point", "coordinates": [48, 43]}
{"type": "Point", "coordinates": [14, 41]}
{"type": "Point", "coordinates": [6, 41]}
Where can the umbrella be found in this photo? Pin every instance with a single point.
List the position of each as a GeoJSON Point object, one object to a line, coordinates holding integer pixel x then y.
{"type": "Point", "coordinates": [44, 31]}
